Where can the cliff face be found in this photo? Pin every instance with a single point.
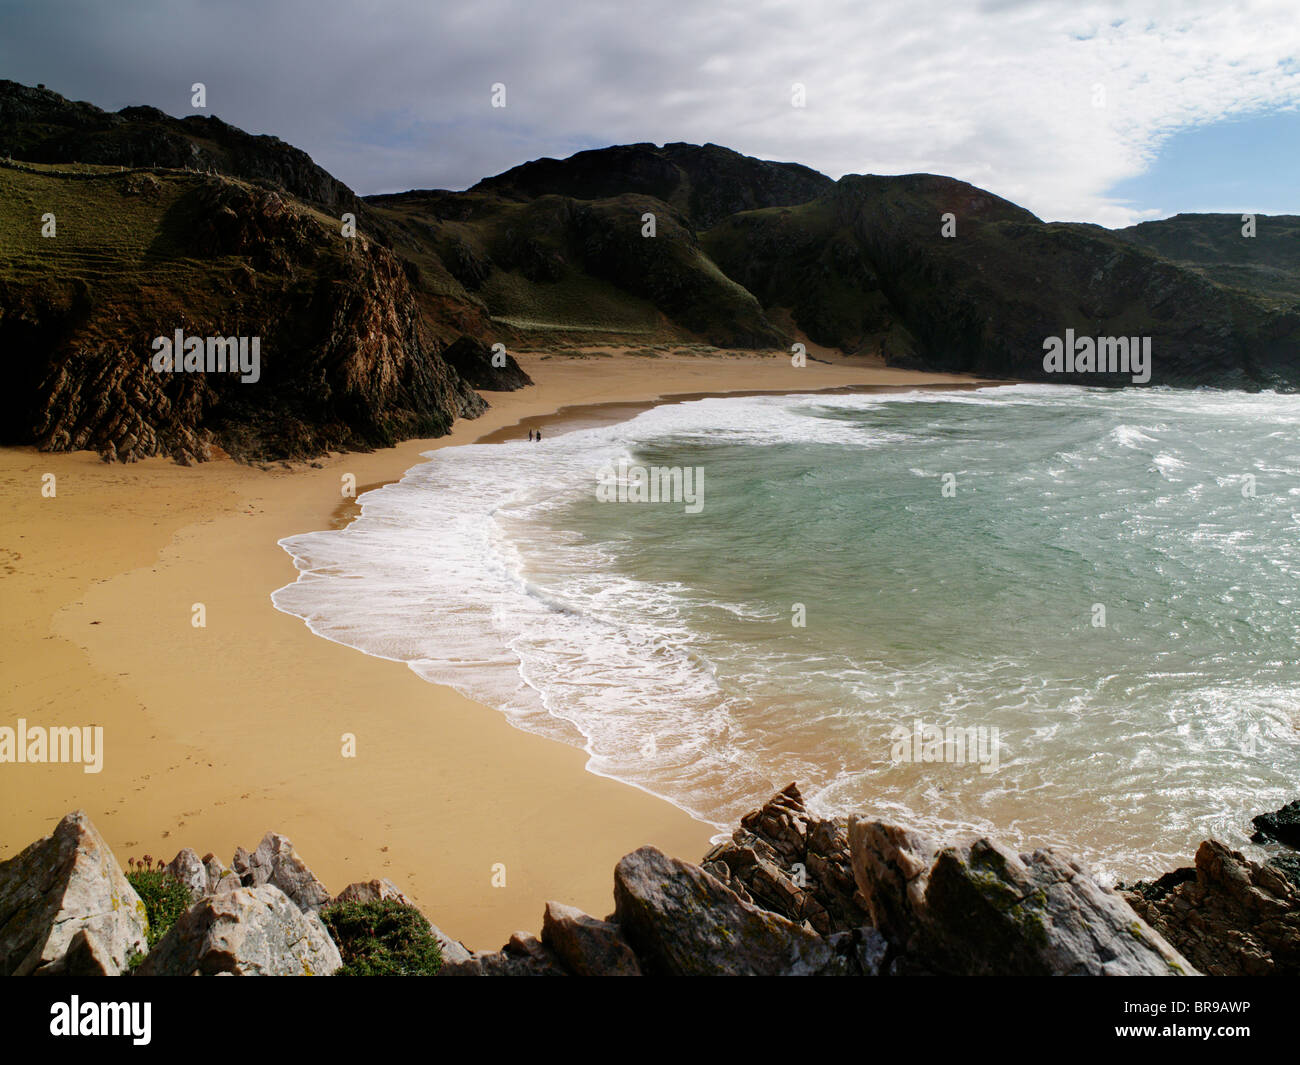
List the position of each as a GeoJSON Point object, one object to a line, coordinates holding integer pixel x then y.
{"type": "Point", "coordinates": [341, 362]}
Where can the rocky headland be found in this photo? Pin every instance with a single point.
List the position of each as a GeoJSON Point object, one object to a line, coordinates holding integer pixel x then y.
{"type": "Point", "coordinates": [788, 894]}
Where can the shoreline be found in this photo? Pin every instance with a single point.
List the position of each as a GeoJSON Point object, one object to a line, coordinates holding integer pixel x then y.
{"type": "Point", "coordinates": [216, 734]}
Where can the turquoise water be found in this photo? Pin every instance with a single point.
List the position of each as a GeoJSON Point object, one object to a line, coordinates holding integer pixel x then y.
{"type": "Point", "coordinates": [665, 642]}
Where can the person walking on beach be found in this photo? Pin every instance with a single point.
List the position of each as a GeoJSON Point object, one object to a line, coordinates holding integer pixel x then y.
{"type": "Point", "coordinates": [530, 436]}
{"type": "Point", "coordinates": [539, 436]}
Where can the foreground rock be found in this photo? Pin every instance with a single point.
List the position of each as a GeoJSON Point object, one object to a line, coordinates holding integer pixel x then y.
{"type": "Point", "coordinates": [373, 891]}
{"type": "Point", "coordinates": [1228, 916]}
{"type": "Point", "coordinates": [585, 945]}
{"type": "Point", "coordinates": [523, 955]}
{"type": "Point", "coordinates": [1282, 825]}
{"type": "Point", "coordinates": [979, 909]}
{"type": "Point", "coordinates": [785, 860]}
{"type": "Point", "coordinates": [683, 922]}
{"type": "Point", "coordinates": [253, 931]}
{"type": "Point", "coordinates": [66, 907]}
{"type": "Point", "coordinates": [188, 868]}
{"type": "Point", "coordinates": [276, 862]}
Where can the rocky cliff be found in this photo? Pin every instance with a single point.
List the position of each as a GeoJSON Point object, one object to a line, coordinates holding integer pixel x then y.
{"type": "Point", "coordinates": [789, 894]}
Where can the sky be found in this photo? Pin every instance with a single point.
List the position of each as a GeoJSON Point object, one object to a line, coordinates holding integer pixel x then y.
{"type": "Point", "coordinates": [1111, 113]}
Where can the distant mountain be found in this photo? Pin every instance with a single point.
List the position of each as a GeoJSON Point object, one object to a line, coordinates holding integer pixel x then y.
{"type": "Point", "coordinates": [1267, 264]}
{"type": "Point", "coordinates": [703, 184]}
{"type": "Point", "coordinates": [168, 223]}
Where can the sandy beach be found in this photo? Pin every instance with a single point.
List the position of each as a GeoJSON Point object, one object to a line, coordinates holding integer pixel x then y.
{"type": "Point", "coordinates": [215, 734]}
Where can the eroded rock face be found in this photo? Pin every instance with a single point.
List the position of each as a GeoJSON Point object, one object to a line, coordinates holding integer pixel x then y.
{"type": "Point", "coordinates": [979, 909]}
{"type": "Point", "coordinates": [65, 899]}
{"type": "Point", "coordinates": [1228, 916]}
{"type": "Point", "coordinates": [587, 946]}
{"type": "Point", "coordinates": [276, 862]}
{"type": "Point", "coordinates": [252, 931]}
{"type": "Point", "coordinates": [683, 922]}
{"type": "Point", "coordinates": [784, 860]}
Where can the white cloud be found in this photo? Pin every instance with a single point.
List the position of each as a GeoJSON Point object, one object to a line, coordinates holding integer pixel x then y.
{"type": "Point", "coordinates": [398, 96]}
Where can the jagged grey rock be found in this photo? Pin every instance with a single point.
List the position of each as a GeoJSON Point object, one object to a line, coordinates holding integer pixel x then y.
{"type": "Point", "coordinates": [213, 872]}
{"type": "Point", "coordinates": [276, 862]}
{"type": "Point", "coordinates": [682, 921]}
{"type": "Point", "coordinates": [524, 955]}
{"type": "Point", "coordinates": [248, 932]}
{"type": "Point", "coordinates": [188, 869]}
{"type": "Point", "coordinates": [372, 891]}
{"type": "Point", "coordinates": [60, 886]}
{"type": "Point", "coordinates": [977, 908]}
{"type": "Point", "coordinates": [585, 945]}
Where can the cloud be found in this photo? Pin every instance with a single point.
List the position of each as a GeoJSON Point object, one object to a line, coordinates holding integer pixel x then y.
{"type": "Point", "coordinates": [1048, 104]}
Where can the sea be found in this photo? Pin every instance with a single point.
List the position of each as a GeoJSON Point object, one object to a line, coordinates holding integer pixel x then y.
{"type": "Point", "coordinates": [1065, 616]}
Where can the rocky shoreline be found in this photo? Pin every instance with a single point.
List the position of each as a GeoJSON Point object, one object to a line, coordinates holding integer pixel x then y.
{"type": "Point", "coordinates": [788, 894]}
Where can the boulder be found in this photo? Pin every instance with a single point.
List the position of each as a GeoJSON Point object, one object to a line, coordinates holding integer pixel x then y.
{"type": "Point", "coordinates": [1230, 916]}
{"type": "Point", "coordinates": [585, 945]}
{"type": "Point", "coordinates": [977, 908]}
{"type": "Point", "coordinates": [372, 891]}
{"type": "Point", "coordinates": [682, 921]}
{"type": "Point", "coordinates": [61, 886]}
{"type": "Point", "coordinates": [247, 932]}
{"type": "Point", "coordinates": [523, 955]}
{"type": "Point", "coordinates": [1281, 825]}
{"type": "Point", "coordinates": [276, 862]}
{"type": "Point", "coordinates": [189, 870]}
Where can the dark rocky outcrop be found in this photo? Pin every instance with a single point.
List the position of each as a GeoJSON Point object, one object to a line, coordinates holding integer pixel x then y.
{"type": "Point", "coordinates": [1282, 826]}
{"type": "Point", "coordinates": [477, 364]}
{"type": "Point", "coordinates": [343, 359]}
{"type": "Point", "coordinates": [1229, 916]}
{"type": "Point", "coordinates": [66, 907]}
